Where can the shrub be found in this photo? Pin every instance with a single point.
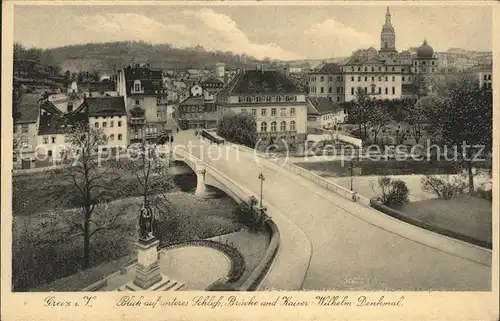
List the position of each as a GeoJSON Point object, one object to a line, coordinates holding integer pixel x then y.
{"type": "Point", "coordinates": [444, 188]}
{"type": "Point", "coordinates": [247, 214]}
{"type": "Point", "coordinates": [486, 194]}
{"type": "Point", "coordinates": [392, 192]}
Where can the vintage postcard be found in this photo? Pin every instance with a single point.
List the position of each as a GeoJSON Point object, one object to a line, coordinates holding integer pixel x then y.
{"type": "Point", "coordinates": [246, 160]}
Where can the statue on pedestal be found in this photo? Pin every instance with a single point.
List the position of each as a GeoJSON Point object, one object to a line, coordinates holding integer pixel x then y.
{"type": "Point", "coordinates": [146, 223]}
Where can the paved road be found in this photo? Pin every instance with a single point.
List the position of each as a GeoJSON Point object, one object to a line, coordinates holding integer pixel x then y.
{"type": "Point", "coordinates": [349, 252]}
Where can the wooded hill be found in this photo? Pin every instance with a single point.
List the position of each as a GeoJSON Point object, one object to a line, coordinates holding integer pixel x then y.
{"type": "Point", "coordinates": [111, 55]}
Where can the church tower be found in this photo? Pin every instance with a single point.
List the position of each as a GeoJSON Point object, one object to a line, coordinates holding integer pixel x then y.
{"type": "Point", "coordinates": [388, 37]}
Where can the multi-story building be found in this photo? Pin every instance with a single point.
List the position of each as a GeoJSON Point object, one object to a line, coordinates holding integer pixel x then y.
{"type": "Point", "coordinates": [143, 90]}
{"type": "Point", "coordinates": [195, 112]}
{"type": "Point", "coordinates": [109, 115]}
{"type": "Point", "coordinates": [327, 82]}
{"type": "Point", "coordinates": [277, 104]}
{"type": "Point", "coordinates": [323, 113]}
{"type": "Point", "coordinates": [25, 118]}
{"type": "Point", "coordinates": [211, 86]}
{"type": "Point", "coordinates": [482, 74]}
{"type": "Point", "coordinates": [54, 127]}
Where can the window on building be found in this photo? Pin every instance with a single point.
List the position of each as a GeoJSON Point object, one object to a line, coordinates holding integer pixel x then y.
{"type": "Point", "coordinates": [70, 107]}
{"type": "Point", "coordinates": [263, 127]}
{"type": "Point", "coordinates": [254, 112]}
{"type": "Point", "coordinates": [338, 98]}
{"type": "Point", "coordinates": [393, 78]}
{"type": "Point", "coordinates": [359, 78]}
{"type": "Point", "coordinates": [137, 102]}
{"type": "Point", "coordinates": [322, 90]}
{"type": "Point", "coordinates": [330, 89]}
{"type": "Point", "coordinates": [423, 62]}
{"type": "Point", "coordinates": [283, 126]}
{"type": "Point", "coordinates": [137, 87]}
{"type": "Point", "coordinates": [273, 126]}
{"type": "Point", "coordinates": [112, 137]}
{"type": "Point", "coordinates": [403, 78]}
{"type": "Point", "coordinates": [278, 98]}
{"type": "Point", "coordinates": [96, 125]}
{"type": "Point", "coordinates": [366, 78]}
{"type": "Point", "coordinates": [366, 68]}
{"type": "Point", "coordinates": [359, 68]}
{"type": "Point", "coordinates": [111, 124]}
{"type": "Point", "coordinates": [379, 90]}
{"type": "Point", "coordinates": [263, 112]}
{"type": "Point", "coordinates": [104, 124]}
{"type": "Point", "coordinates": [244, 111]}
{"type": "Point", "coordinates": [373, 68]}
{"type": "Point", "coordinates": [45, 140]}
{"type": "Point", "coordinates": [24, 128]}
{"type": "Point", "coordinates": [120, 136]}
{"type": "Point", "coordinates": [366, 90]}
{"type": "Point", "coordinates": [393, 90]}
{"type": "Point", "coordinates": [352, 78]}
{"type": "Point", "coordinates": [386, 90]}
{"type": "Point", "coordinates": [489, 77]}
{"type": "Point", "coordinates": [53, 140]}
{"type": "Point", "coordinates": [379, 68]}
{"type": "Point", "coordinates": [393, 69]}
{"type": "Point", "coordinates": [119, 124]}
{"type": "Point", "coordinates": [379, 78]}
{"type": "Point", "coordinates": [386, 78]}
{"type": "Point", "coordinates": [373, 89]}
{"type": "Point", "coordinates": [292, 125]}
{"type": "Point", "coordinates": [283, 112]}
{"type": "Point", "coordinates": [352, 91]}
{"type": "Point", "coordinates": [273, 111]}
{"type": "Point", "coordinates": [292, 111]}
{"type": "Point", "coordinates": [50, 153]}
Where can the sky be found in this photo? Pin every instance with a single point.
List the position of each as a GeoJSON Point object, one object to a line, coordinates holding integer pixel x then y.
{"type": "Point", "coordinates": [279, 32]}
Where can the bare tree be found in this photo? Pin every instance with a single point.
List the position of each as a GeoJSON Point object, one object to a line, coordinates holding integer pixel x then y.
{"type": "Point", "coordinates": [86, 185]}
{"type": "Point", "coordinates": [150, 165]}
{"type": "Point", "coordinates": [379, 117]}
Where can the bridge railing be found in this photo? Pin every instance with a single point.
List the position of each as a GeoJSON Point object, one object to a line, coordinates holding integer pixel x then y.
{"type": "Point", "coordinates": [318, 180]}
{"type": "Point", "coordinates": [255, 280]}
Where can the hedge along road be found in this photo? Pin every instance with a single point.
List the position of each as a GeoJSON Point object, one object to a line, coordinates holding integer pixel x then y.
{"type": "Point", "coordinates": [350, 253]}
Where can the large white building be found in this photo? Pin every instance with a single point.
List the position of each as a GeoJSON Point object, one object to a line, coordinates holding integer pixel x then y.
{"type": "Point", "coordinates": [276, 103]}
{"type": "Point", "coordinates": [383, 74]}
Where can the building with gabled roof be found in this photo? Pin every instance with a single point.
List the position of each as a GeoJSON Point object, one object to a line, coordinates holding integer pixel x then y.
{"type": "Point", "coordinates": [276, 103]}
{"type": "Point", "coordinates": [323, 113]}
{"type": "Point", "coordinates": [110, 115]}
{"type": "Point", "coordinates": [25, 124]}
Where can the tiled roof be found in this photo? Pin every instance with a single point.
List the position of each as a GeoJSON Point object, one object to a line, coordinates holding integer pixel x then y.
{"type": "Point", "coordinates": [193, 101]}
{"type": "Point", "coordinates": [151, 80]}
{"type": "Point", "coordinates": [106, 106]}
{"type": "Point", "coordinates": [321, 106]}
{"type": "Point", "coordinates": [212, 80]}
{"type": "Point", "coordinates": [100, 86]}
{"type": "Point", "coordinates": [52, 124]}
{"type": "Point", "coordinates": [26, 109]}
{"type": "Point", "coordinates": [261, 82]}
{"type": "Point", "coordinates": [329, 68]}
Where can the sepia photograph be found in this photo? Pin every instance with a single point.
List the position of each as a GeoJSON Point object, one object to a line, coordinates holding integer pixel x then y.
{"type": "Point", "coordinates": [251, 148]}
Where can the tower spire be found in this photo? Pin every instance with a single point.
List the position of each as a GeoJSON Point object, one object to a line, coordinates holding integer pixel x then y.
{"type": "Point", "coordinates": [388, 17]}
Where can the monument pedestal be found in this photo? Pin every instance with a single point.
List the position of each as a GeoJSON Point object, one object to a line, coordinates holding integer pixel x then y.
{"type": "Point", "coordinates": [148, 276]}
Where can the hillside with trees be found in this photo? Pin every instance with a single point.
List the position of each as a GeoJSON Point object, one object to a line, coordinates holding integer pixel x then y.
{"type": "Point", "coordinates": [111, 55]}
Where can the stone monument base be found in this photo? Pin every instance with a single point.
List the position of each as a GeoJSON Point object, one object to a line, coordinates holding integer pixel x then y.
{"type": "Point", "coordinates": [148, 276]}
{"type": "Point", "coordinates": [165, 284]}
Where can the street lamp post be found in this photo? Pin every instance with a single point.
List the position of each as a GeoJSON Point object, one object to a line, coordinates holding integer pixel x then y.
{"type": "Point", "coordinates": [261, 177]}
{"type": "Point", "coordinates": [351, 172]}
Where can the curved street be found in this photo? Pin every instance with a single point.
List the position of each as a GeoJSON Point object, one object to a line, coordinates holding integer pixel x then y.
{"type": "Point", "coordinates": [349, 252]}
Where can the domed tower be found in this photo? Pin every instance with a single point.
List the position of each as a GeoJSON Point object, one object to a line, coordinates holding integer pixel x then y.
{"type": "Point", "coordinates": [388, 37]}
{"type": "Point", "coordinates": [426, 70]}
{"type": "Point", "coordinates": [425, 62]}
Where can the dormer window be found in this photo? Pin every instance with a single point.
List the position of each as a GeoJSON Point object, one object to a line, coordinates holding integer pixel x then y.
{"type": "Point", "coordinates": [137, 85]}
